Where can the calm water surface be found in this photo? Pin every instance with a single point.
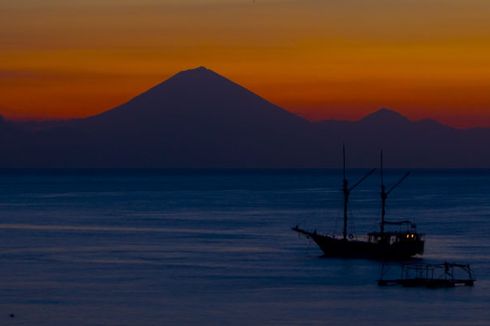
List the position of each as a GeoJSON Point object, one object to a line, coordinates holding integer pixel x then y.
{"type": "Point", "coordinates": [214, 247]}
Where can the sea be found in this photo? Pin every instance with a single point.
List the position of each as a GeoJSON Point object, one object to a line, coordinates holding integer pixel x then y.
{"type": "Point", "coordinates": [215, 247]}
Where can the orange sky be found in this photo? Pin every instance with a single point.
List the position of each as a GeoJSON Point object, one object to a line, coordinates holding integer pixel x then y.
{"type": "Point", "coordinates": [321, 59]}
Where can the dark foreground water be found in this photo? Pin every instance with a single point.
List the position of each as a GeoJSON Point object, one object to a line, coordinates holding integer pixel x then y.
{"type": "Point", "coordinates": [176, 247]}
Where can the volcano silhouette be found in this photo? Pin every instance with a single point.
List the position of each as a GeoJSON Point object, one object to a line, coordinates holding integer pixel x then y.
{"type": "Point", "coordinates": [200, 97]}
{"type": "Point", "coordinates": [196, 118]}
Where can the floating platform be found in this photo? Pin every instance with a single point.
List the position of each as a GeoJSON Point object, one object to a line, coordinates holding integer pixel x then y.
{"type": "Point", "coordinates": [445, 275]}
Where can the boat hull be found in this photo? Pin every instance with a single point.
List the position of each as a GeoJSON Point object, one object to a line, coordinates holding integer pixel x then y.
{"type": "Point", "coordinates": [347, 248]}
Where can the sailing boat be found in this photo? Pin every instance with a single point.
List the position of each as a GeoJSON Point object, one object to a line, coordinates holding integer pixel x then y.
{"type": "Point", "coordinates": [382, 244]}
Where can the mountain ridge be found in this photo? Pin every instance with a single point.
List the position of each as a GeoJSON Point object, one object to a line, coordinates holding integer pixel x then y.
{"type": "Point", "coordinates": [198, 118]}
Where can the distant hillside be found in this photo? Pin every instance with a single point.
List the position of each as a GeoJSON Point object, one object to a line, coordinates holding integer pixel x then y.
{"type": "Point", "coordinates": [199, 119]}
{"type": "Point", "coordinates": [424, 143]}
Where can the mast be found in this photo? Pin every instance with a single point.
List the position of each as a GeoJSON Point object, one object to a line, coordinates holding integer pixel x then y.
{"type": "Point", "coordinates": [347, 190]}
{"type": "Point", "coordinates": [384, 193]}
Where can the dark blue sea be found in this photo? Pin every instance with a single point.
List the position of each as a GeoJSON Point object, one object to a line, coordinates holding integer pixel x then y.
{"type": "Point", "coordinates": [176, 247]}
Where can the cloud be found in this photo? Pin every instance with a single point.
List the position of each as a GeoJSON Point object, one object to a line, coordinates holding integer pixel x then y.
{"type": "Point", "coordinates": [7, 74]}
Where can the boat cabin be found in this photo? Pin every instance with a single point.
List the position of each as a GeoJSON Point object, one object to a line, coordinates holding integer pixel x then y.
{"type": "Point", "coordinates": [394, 237]}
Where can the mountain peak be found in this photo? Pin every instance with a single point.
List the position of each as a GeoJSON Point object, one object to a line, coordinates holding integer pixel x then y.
{"type": "Point", "coordinates": [200, 96]}
{"type": "Point", "coordinates": [385, 116]}
{"type": "Point", "coordinates": [199, 77]}
{"type": "Point", "coordinates": [200, 71]}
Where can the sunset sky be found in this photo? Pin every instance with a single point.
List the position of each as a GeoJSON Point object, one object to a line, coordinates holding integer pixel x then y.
{"type": "Point", "coordinates": [322, 59]}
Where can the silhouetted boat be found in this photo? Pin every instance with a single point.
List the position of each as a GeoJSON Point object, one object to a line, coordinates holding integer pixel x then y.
{"type": "Point", "coordinates": [431, 275]}
{"type": "Point", "coordinates": [382, 244]}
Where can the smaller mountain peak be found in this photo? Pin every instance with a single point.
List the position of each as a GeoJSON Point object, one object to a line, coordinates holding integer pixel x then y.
{"type": "Point", "coordinates": [385, 112]}
{"type": "Point", "coordinates": [385, 115]}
